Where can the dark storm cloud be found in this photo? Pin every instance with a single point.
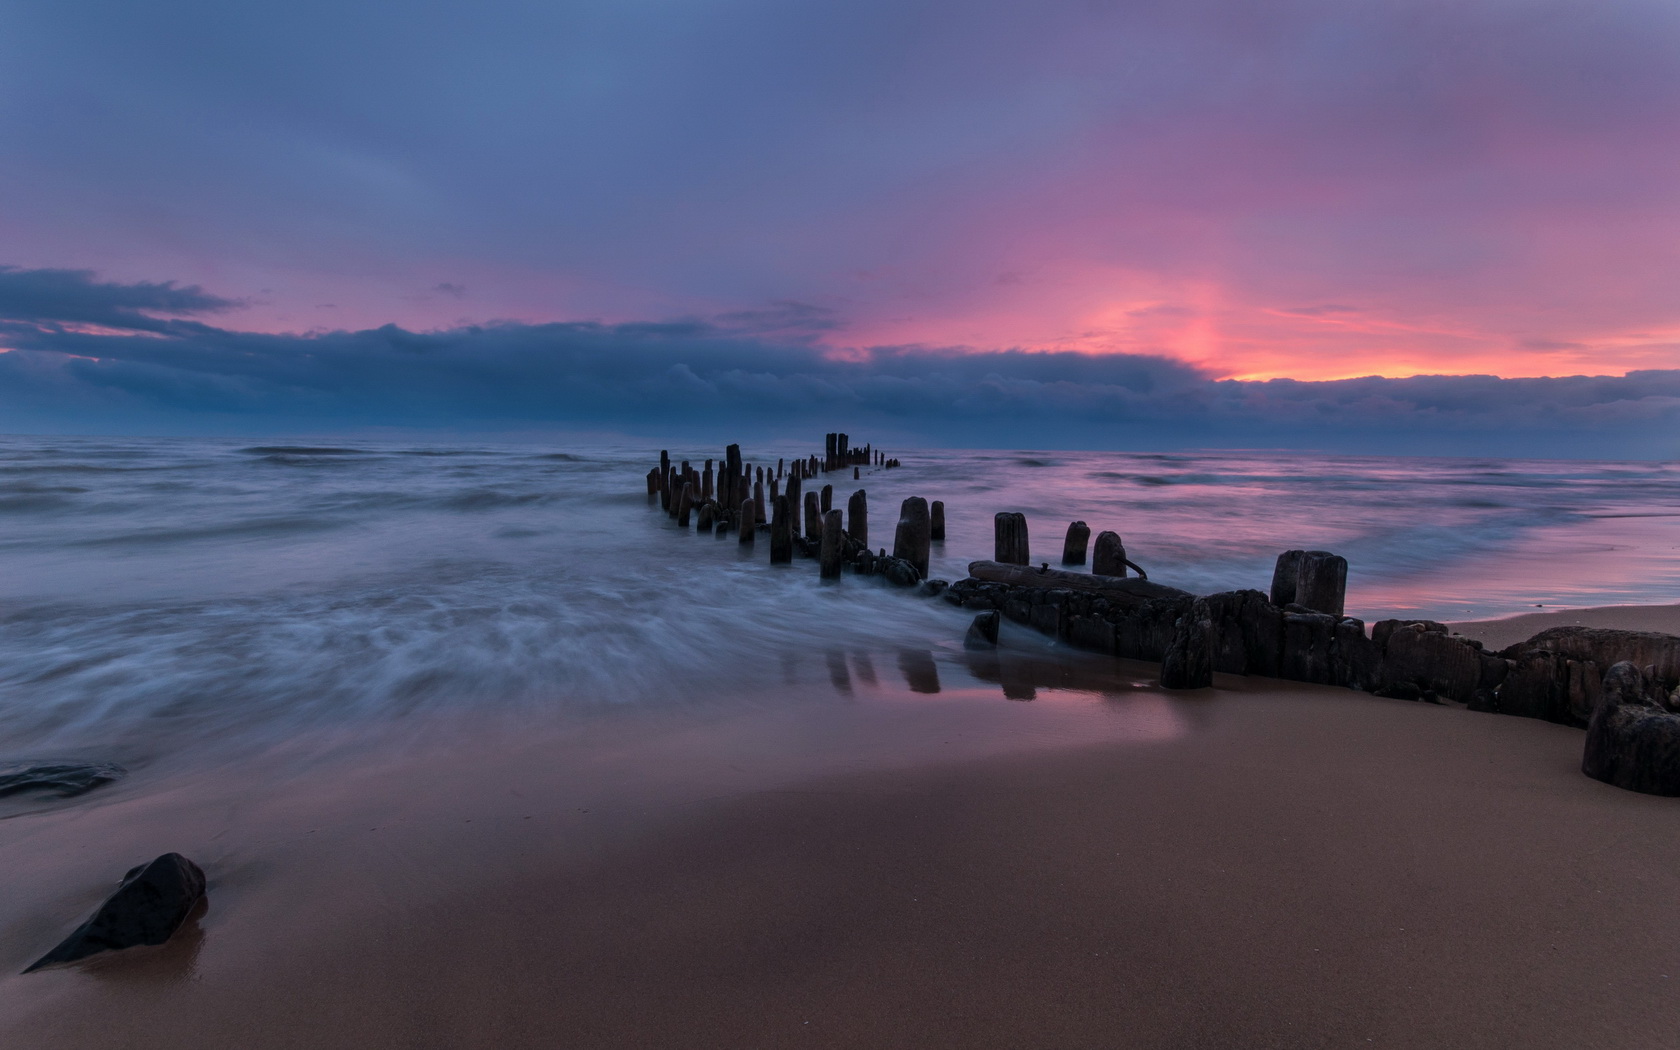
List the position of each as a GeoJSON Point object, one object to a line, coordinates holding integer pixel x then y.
{"type": "Point", "coordinates": [728, 375]}
{"type": "Point", "coordinates": [78, 297]}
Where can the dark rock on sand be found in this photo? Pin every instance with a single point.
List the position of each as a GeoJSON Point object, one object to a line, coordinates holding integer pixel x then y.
{"type": "Point", "coordinates": [1632, 741]}
{"type": "Point", "coordinates": [1604, 647]}
{"type": "Point", "coordinates": [1188, 663]}
{"type": "Point", "coordinates": [65, 781]}
{"type": "Point", "coordinates": [983, 632]}
{"type": "Point", "coordinates": [1420, 655]}
{"type": "Point", "coordinates": [150, 905]}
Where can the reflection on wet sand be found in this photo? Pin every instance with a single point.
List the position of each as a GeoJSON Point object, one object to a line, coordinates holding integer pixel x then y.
{"type": "Point", "coordinates": [920, 672]}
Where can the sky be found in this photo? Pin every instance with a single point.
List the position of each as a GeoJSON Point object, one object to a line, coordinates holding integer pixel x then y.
{"type": "Point", "coordinates": [1350, 223]}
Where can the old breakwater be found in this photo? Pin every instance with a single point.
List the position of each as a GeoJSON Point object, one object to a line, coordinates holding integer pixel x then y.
{"type": "Point", "coordinates": [1621, 685]}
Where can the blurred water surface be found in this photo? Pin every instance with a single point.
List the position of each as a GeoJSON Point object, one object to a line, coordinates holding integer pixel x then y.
{"type": "Point", "coordinates": [215, 592]}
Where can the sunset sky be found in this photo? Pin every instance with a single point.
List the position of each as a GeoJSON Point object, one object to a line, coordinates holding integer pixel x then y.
{"type": "Point", "coordinates": [1212, 189]}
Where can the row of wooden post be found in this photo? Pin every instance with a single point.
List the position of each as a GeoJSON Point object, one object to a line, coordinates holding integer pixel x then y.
{"type": "Point", "coordinates": [1011, 547]}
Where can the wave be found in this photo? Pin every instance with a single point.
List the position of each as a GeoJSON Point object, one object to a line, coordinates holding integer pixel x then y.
{"type": "Point", "coordinates": [303, 450]}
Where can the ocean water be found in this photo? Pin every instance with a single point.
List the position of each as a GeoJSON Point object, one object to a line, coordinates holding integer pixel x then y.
{"type": "Point", "coordinates": [194, 594]}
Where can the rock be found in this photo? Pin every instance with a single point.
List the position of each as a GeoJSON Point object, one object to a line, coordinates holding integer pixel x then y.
{"type": "Point", "coordinates": [983, 632]}
{"type": "Point", "coordinates": [899, 572]}
{"type": "Point", "coordinates": [1188, 663]}
{"type": "Point", "coordinates": [934, 588]}
{"type": "Point", "coordinates": [65, 781]}
{"type": "Point", "coordinates": [1536, 686]}
{"type": "Point", "coordinates": [149, 906]}
{"type": "Point", "coordinates": [1632, 742]}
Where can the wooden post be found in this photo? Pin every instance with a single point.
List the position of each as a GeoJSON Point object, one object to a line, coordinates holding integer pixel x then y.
{"type": "Point", "coordinates": [795, 503]}
{"type": "Point", "coordinates": [778, 466]}
{"type": "Point", "coordinates": [1108, 558]}
{"type": "Point", "coordinates": [832, 545]}
{"type": "Point", "coordinates": [706, 482]}
{"type": "Point", "coordinates": [685, 504]}
{"type": "Point", "coordinates": [1284, 575]}
{"type": "Point", "coordinates": [936, 530]}
{"type": "Point", "coordinates": [813, 517]}
{"type": "Point", "coordinates": [1073, 548]}
{"type": "Point", "coordinates": [1321, 584]}
{"type": "Point", "coordinates": [748, 522]}
{"type": "Point", "coordinates": [857, 517]}
{"type": "Point", "coordinates": [1010, 535]}
{"type": "Point", "coordinates": [705, 519]}
{"type": "Point", "coordinates": [827, 498]}
{"type": "Point", "coordinates": [855, 474]}
{"type": "Point", "coordinates": [653, 484]}
{"type": "Point", "coordinates": [781, 533]}
{"type": "Point", "coordinates": [758, 502]}
{"type": "Point", "coordinates": [730, 477]}
{"type": "Point", "coordinates": [911, 542]}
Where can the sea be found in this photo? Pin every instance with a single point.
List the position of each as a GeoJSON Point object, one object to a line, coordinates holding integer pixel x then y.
{"type": "Point", "coordinates": [197, 594]}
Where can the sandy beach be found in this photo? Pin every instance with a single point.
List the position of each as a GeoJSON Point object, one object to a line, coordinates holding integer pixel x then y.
{"type": "Point", "coordinates": [1262, 864]}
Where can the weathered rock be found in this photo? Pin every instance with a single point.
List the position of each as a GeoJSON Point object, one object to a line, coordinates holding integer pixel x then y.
{"type": "Point", "coordinates": [934, 588]}
{"type": "Point", "coordinates": [898, 572]}
{"type": "Point", "coordinates": [148, 907]}
{"type": "Point", "coordinates": [1078, 539]}
{"type": "Point", "coordinates": [64, 781]}
{"type": "Point", "coordinates": [983, 632]}
{"type": "Point", "coordinates": [1108, 557]}
{"type": "Point", "coordinates": [1188, 663]}
{"type": "Point", "coordinates": [1010, 533]}
{"type": "Point", "coordinates": [1321, 582]}
{"type": "Point", "coordinates": [1632, 742]}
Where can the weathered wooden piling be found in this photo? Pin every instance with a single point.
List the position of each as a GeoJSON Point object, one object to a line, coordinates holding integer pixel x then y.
{"type": "Point", "coordinates": [912, 539]}
{"type": "Point", "coordinates": [1073, 548]}
{"type": "Point", "coordinates": [796, 503]}
{"type": "Point", "coordinates": [653, 484]}
{"type": "Point", "coordinates": [706, 482]}
{"type": "Point", "coordinates": [936, 527]}
{"type": "Point", "coordinates": [1108, 557]}
{"type": "Point", "coordinates": [827, 498]}
{"type": "Point", "coordinates": [1010, 534]}
{"type": "Point", "coordinates": [781, 533]}
{"type": "Point", "coordinates": [704, 520]}
{"type": "Point", "coordinates": [813, 517]}
{"type": "Point", "coordinates": [855, 474]}
{"type": "Point", "coordinates": [685, 505]}
{"type": "Point", "coordinates": [857, 517]}
{"type": "Point", "coordinates": [749, 526]}
{"type": "Point", "coordinates": [758, 502]}
{"type": "Point", "coordinates": [1321, 582]}
{"type": "Point", "coordinates": [1284, 575]}
{"type": "Point", "coordinates": [833, 545]}
{"type": "Point", "coordinates": [729, 478]}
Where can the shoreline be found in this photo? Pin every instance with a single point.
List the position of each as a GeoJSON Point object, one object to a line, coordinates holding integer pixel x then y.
{"type": "Point", "coordinates": [1265, 863]}
{"type": "Point", "coordinates": [1499, 633]}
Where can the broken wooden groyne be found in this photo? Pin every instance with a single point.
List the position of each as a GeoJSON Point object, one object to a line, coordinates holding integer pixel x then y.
{"type": "Point", "coordinates": [1623, 686]}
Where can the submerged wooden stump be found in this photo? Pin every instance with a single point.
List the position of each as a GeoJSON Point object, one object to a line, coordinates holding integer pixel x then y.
{"type": "Point", "coordinates": [685, 505]}
{"type": "Point", "coordinates": [1010, 533]}
{"type": "Point", "coordinates": [1073, 548]}
{"type": "Point", "coordinates": [748, 523]}
{"type": "Point", "coordinates": [936, 525]}
{"type": "Point", "coordinates": [827, 498]}
{"type": "Point", "coordinates": [795, 503]}
{"type": "Point", "coordinates": [833, 545]}
{"type": "Point", "coordinates": [857, 517]}
{"type": "Point", "coordinates": [912, 540]}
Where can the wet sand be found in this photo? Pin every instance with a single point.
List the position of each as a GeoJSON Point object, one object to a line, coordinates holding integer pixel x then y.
{"type": "Point", "coordinates": [1497, 634]}
{"type": "Point", "coordinates": [1258, 865]}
